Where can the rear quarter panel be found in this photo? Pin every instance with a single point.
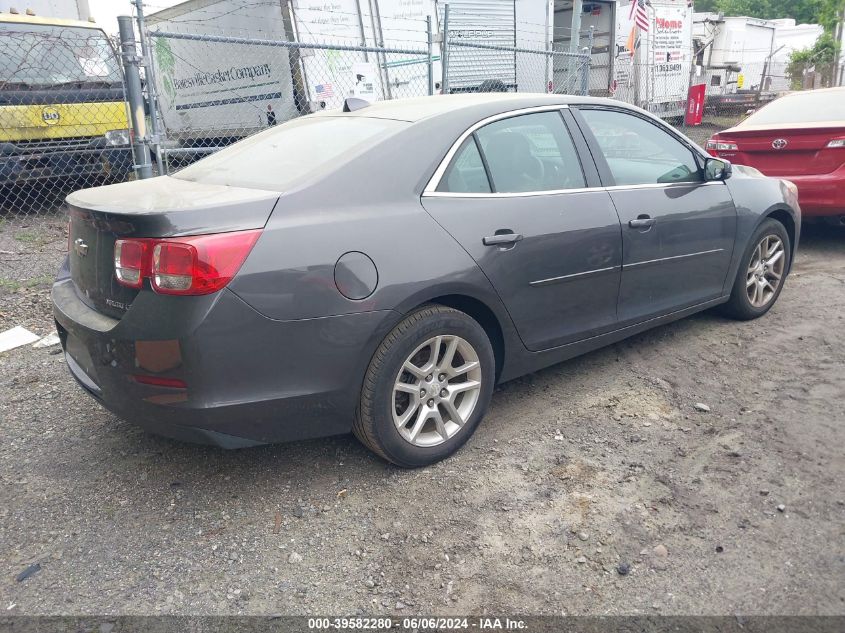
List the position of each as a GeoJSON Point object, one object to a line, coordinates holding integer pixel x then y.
{"type": "Point", "coordinates": [369, 206]}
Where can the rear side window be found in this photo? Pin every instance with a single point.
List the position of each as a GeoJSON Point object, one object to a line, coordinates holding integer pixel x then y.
{"type": "Point", "coordinates": [466, 173]}
{"type": "Point", "coordinates": [281, 156]}
{"type": "Point", "coordinates": [524, 153]}
{"type": "Point", "coordinates": [640, 153]}
{"type": "Point", "coordinates": [530, 152]}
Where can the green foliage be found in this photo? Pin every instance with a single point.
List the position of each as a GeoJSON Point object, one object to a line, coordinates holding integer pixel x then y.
{"type": "Point", "coordinates": [823, 53]}
{"type": "Point", "coordinates": [824, 12]}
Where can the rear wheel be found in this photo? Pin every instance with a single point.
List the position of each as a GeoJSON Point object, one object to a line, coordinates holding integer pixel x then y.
{"type": "Point", "coordinates": [761, 273]}
{"type": "Point", "coordinates": [427, 387]}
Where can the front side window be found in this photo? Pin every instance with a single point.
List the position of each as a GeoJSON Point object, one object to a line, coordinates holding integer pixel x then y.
{"type": "Point", "coordinates": [640, 153]}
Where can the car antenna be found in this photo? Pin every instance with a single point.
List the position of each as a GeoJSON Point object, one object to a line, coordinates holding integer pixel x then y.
{"type": "Point", "coordinates": [354, 103]}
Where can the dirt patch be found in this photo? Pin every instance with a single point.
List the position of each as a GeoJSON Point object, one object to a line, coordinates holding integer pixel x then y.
{"type": "Point", "coordinates": [590, 466]}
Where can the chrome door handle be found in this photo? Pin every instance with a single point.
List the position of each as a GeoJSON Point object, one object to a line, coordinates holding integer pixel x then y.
{"type": "Point", "coordinates": [642, 222]}
{"type": "Point", "coordinates": [502, 239]}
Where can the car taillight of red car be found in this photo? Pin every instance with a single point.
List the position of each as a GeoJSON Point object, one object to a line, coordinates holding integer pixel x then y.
{"type": "Point", "coordinates": [715, 145]}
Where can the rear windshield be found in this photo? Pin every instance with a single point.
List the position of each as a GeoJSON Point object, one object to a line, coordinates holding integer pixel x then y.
{"type": "Point", "coordinates": [803, 107]}
{"type": "Point", "coordinates": [277, 158]}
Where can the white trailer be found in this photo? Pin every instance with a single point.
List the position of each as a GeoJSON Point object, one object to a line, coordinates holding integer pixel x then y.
{"type": "Point", "coordinates": [736, 54]}
{"type": "Point", "coordinates": [487, 27]}
{"type": "Point", "coordinates": [598, 21]}
{"type": "Point", "coordinates": [213, 92]}
{"type": "Point", "coordinates": [651, 68]}
{"type": "Point", "coordinates": [64, 9]}
{"type": "Point", "coordinates": [401, 24]}
{"type": "Point", "coordinates": [329, 76]}
{"type": "Point", "coordinates": [524, 26]}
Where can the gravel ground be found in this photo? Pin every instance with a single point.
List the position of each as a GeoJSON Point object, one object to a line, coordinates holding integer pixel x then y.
{"type": "Point", "coordinates": [593, 487]}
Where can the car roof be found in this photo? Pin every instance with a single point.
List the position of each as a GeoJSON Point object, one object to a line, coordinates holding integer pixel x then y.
{"type": "Point", "coordinates": [418, 108]}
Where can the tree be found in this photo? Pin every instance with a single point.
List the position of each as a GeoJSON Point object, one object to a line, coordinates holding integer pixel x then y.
{"type": "Point", "coordinates": [821, 57]}
{"type": "Point", "coordinates": [824, 12]}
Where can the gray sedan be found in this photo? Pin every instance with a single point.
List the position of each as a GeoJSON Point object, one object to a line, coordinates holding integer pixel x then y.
{"type": "Point", "coordinates": [379, 270]}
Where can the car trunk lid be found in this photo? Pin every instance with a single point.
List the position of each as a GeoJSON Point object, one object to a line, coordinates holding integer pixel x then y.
{"type": "Point", "coordinates": [786, 151]}
{"type": "Point", "coordinates": [159, 207]}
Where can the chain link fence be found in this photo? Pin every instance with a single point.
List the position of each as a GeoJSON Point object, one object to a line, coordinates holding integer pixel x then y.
{"type": "Point", "coordinates": [211, 89]}
{"type": "Point", "coordinates": [215, 90]}
{"type": "Point", "coordinates": [479, 67]}
{"type": "Point", "coordinates": [65, 123]}
{"type": "Point", "coordinates": [63, 126]}
{"type": "Point", "coordinates": [63, 115]}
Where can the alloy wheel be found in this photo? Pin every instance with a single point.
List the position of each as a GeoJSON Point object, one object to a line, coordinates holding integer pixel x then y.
{"type": "Point", "coordinates": [765, 271]}
{"type": "Point", "coordinates": [436, 390]}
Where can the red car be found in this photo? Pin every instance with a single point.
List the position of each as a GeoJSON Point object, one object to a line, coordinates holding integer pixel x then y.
{"type": "Point", "coordinates": [799, 137]}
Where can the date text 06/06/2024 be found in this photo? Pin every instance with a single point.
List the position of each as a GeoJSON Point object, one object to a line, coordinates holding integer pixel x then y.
{"type": "Point", "coordinates": [420, 623]}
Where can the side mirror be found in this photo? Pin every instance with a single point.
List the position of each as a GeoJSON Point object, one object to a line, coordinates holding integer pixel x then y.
{"type": "Point", "coordinates": [716, 169]}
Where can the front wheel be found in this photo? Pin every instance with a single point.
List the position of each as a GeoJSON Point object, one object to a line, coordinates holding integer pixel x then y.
{"type": "Point", "coordinates": [427, 387]}
{"type": "Point", "coordinates": [761, 273]}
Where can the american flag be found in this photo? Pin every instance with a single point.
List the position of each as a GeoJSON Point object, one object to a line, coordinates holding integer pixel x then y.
{"type": "Point", "coordinates": [639, 14]}
{"type": "Point", "coordinates": [324, 91]}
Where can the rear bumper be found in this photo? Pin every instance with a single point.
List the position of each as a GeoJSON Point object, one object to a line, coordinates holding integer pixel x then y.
{"type": "Point", "coordinates": [99, 162]}
{"type": "Point", "coordinates": [249, 380]}
{"type": "Point", "coordinates": [820, 195]}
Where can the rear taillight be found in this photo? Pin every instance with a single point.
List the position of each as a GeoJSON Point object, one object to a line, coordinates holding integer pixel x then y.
{"type": "Point", "coordinates": [129, 264]}
{"type": "Point", "coordinates": [721, 146]}
{"type": "Point", "coordinates": [174, 267]}
{"type": "Point", "coordinates": [196, 265]}
{"type": "Point", "coordinates": [837, 142]}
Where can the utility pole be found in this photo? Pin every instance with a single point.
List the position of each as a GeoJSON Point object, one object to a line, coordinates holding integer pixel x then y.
{"type": "Point", "coordinates": [444, 54]}
{"type": "Point", "coordinates": [152, 97]}
{"type": "Point", "coordinates": [574, 40]}
{"type": "Point", "coordinates": [839, 57]}
{"type": "Point", "coordinates": [131, 62]}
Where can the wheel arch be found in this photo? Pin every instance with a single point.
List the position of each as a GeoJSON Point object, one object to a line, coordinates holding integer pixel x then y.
{"type": "Point", "coordinates": [786, 218]}
{"type": "Point", "coordinates": [484, 316]}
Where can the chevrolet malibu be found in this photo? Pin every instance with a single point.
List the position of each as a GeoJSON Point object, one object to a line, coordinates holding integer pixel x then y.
{"type": "Point", "coordinates": [380, 269]}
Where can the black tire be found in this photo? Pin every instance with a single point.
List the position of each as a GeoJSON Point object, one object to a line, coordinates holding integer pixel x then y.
{"type": "Point", "coordinates": [374, 424]}
{"type": "Point", "coordinates": [740, 306]}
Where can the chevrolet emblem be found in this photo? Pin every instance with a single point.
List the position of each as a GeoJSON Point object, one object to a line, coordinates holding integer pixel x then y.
{"type": "Point", "coordinates": [80, 247]}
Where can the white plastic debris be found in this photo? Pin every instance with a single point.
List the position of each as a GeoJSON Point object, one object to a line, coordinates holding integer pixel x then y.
{"type": "Point", "coordinates": [17, 336]}
{"type": "Point", "coordinates": [47, 341]}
